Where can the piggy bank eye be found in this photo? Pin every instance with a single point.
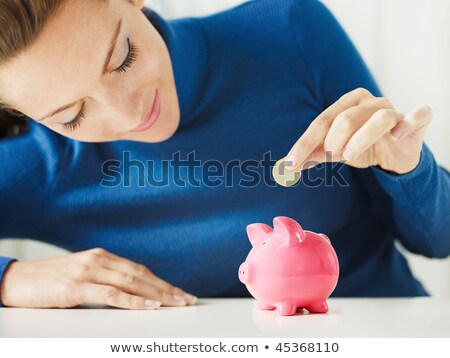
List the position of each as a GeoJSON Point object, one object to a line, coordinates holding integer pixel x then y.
{"type": "Point", "coordinates": [264, 243]}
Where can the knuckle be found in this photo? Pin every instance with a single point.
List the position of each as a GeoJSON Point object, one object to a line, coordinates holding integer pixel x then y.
{"type": "Point", "coordinates": [177, 291]}
{"type": "Point", "coordinates": [362, 92]}
{"type": "Point", "coordinates": [81, 271]}
{"type": "Point", "coordinates": [141, 270]}
{"type": "Point", "coordinates": [385, 117]}
{"type": "Point", "coordinates": [344, 122]}
{"type": "Point", "coordinates": [98, 251]}
{"type": "Point", "coordinates": [111, 294]}
{"type": "Point", "coordinates": [93, 256]}
{"type": "Point", "coordinates": [133, 301]}
{"type": "Point", "coordinates": [130, 279]}
{"type": "Point", "coordinates": [158, 295]}
{"type": "Point", "coordinates": [323, 120]}
{"type": "Point", "coordinates": [88, 260]}
{"type": "Point", "coordinates": [383, 102]}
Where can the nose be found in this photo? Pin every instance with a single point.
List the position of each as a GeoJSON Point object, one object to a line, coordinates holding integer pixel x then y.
{"type": "Point", "coordinates": [243, 272]}
{"type": "Point", "coordinates": [122, 111]}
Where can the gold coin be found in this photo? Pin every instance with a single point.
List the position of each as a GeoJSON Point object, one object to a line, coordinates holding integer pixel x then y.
{"type": "Point", "coordinates": [283, 176]}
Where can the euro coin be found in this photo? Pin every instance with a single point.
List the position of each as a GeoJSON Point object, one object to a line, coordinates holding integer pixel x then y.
{"type": "Point", "coordinates": [283, 176]}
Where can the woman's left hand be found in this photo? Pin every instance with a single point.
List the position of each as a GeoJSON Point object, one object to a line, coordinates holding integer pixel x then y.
{"type": "Point", "coordinates": [362, 131]}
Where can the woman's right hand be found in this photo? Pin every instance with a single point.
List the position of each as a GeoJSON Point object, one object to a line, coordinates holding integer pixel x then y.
{"type": "Point", "coordinates": [93, 276]}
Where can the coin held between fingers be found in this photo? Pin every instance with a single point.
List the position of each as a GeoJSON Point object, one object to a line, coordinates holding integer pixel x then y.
{"type": "Point", "coordinates": [283, 176]}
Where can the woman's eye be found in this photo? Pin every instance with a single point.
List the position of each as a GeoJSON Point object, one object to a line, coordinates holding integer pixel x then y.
{"type": "Point", "coordinates": [132, 52]}
{"type": "Point", "coordinates": [76, 122]}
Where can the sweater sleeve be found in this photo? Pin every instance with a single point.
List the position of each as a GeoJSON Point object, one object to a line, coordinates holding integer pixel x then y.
{"type": "Point", "coordinates": [4, 263]}
{"type": "Point", "coordinates": [29, 165]}
{"type": "Point", "coordinates": [420, 206]}
{"type": "Point", "coordinates": [418, 202]}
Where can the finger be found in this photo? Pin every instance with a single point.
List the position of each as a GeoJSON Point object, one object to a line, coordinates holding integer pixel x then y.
{"type": "Point", "coordinates": [316, 157]}
{"type": "Point", "coordinates": [117, 263]}
{"type": "Point", "coordinates": [376, 127]}
{"type": "Point", "coordinates": [319, 156]}
{"type": "Point", "coordinates": [127, 271]}
{"type": "Point", "coordinates": [317, 130]}
{"type": "Point", "coordinates": [112, 296]}
{"type": "Point", "coordinates": [347, 123]}
{"type": "Point", "coordinates": [135, 285]}
{"type": "Point", "coordinates": [416, 121]}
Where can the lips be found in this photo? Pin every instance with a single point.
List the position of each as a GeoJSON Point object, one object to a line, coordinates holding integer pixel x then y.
{"type": "Point", "coordinates": [152, 117]}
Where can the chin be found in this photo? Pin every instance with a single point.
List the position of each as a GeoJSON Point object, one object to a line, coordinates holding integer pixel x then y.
{"type": "Point", "coordinates": [167, 133]}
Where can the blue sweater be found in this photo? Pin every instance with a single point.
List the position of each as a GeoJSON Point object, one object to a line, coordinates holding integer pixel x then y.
{"type": "Point", "coordinates": [250, 80]}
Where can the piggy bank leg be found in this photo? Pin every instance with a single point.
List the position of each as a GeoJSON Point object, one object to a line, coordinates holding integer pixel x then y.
{"type": "Point", "coordinates": [320, 307]}
{"type": "Point", "coordinates": [286, 309]}
{"type": "Point", "coordinates": [265, 306]}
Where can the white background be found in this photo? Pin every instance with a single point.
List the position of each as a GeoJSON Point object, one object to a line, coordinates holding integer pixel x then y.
{"type": "Point", "coordinates": [406, 44]}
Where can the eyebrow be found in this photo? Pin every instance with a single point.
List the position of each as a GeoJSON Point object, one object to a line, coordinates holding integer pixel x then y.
{"type": "Point", "coordinates": [104, 71]}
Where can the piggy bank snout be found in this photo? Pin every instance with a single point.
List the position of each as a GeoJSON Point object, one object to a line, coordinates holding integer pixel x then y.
{"type": "Point", "coordinates": [243, 273]}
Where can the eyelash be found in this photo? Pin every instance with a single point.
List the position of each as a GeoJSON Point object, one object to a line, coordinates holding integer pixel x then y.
{"type": "Point", "coordinates": [129, 61]}
{"type": "Point", "coordinates": [130, 58]}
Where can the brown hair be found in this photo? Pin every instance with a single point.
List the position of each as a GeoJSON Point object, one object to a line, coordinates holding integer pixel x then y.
{"type": "Point", "coordinates": [21, 22]}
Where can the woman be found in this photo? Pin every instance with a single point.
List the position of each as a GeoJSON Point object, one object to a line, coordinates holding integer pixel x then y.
{"type": "Point", "coordinates": [119, 135]}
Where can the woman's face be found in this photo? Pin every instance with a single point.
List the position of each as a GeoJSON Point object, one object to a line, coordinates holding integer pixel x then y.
{"type": "Point", "coordinates": [64, 66]}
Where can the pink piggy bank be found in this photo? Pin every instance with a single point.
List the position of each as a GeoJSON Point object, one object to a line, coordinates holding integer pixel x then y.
{"type": "Point", "coordinates": [289, 268]}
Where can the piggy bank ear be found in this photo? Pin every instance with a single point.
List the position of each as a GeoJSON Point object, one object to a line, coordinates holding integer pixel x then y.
{"type": "Point", "coordinates": [326, 237]}
{"type": "Point", "coordinates": [257, 233]}
{"type": "Point", "coordinates": [289, 230]}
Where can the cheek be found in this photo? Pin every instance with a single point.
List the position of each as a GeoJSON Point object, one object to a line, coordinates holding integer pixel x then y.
{"type": "Point", "coordinates": [153, 55]}
{"type": "Point", "coordinates": [151, 67]}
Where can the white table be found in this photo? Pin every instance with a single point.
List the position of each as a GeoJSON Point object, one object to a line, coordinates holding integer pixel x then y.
{"type": "Point", "coordinates": [236, 318]}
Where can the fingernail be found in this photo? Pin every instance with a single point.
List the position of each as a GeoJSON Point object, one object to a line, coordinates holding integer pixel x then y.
{"type": "Point", "coordinates": [348, 155]}
{"type": "Point", "coordinates": [396, 133]}
{"type": "Point", "coordinates": [290, 162]}
{"type": "Point", "coordinates": [190, 298]}
{"type": "Point", "coordinates": [152, 304]}
{"type": "Point", "coordinates": [178, 298]}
